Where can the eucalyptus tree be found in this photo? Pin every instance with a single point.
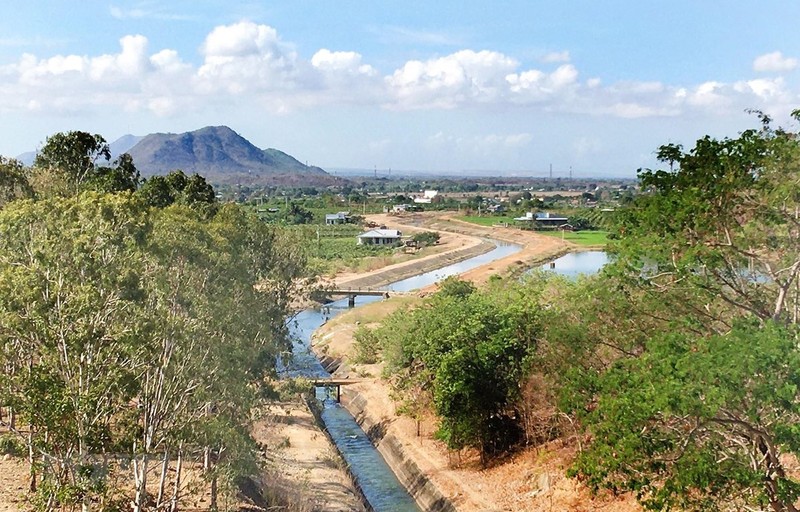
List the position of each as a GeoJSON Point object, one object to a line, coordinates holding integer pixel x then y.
{"type": "Point", "coordinates": [69, 289]}
{"type": "Point", "coordinates": [14, 183]}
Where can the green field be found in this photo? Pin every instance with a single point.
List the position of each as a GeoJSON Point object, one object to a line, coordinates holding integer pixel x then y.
{"type": "Point", "coordinates": [489, 220]}
{"type": "Point", "coordinates": [587, 238]}
{"type": "Point", "coordinates": [580, 237]}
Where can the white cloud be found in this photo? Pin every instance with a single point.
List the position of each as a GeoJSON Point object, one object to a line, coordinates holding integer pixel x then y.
{"type": "Point", "coordinates": [774, 62]}
{"type": "Point", "coordinates": [348, 62]}
{"type": "Point", "coordinates": [462, 77]}
{"type": "Point", "coordinates": [555, 57]}
{"type": "Point", "coordinates": [246, 63]}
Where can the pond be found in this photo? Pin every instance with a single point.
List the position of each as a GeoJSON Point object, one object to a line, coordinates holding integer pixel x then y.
{"type": "Point", "coordinates": [578, 263]}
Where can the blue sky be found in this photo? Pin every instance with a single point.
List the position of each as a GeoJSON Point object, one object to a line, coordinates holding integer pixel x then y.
{"type": "Point", "coordinates": [505, 86]}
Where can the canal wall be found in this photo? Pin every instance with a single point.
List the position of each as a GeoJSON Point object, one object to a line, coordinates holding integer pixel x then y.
{"type": "Point", "coordinates": [428, 497]}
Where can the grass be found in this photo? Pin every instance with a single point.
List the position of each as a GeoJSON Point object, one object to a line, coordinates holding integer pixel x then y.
{"type": "Point", "coordinates": [586, 238]}
{"type": "Point", "coordinates": [489, 220]}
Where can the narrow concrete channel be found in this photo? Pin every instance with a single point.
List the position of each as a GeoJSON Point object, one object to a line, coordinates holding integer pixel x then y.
{"type": "Point", "coordinates": [373, 476]}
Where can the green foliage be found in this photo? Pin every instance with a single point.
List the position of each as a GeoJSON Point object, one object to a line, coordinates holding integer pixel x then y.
{"type": "Point", "coordinates": [176, 187]}
{"type": "Point", "coordinates": [14, 182]}
{"type": "Point", "coordinates": [11, 445]}
{"type": "Point", "coordinates": [686, 425]}
{"type": "Point", "coordinates": [464, 351]}
{"type": "Point", "coordinates": [75, 154]}
{"type": "Point", "coordinates": [125, 329]}
{"type": "Point", "coordinates": [681, 359]}
{"type": "Point", "coordinates": [424, 238]}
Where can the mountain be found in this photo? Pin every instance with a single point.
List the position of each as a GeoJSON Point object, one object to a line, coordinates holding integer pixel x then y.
{"type": "Point", "coordinates": [123, 145]}
{"type": "Point", "coordinates": [223, 156]}
{"type": "Point", "coordinates": [27, 158]}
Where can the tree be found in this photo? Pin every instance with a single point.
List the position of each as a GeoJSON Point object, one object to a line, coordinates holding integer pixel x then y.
{"type": "Point", "coordinates": [699, 418]}
{"type": "Point", "coordinates": [68, 291]}
{"type": "Point", "coordinates": [121, 177]}
{"type": "Point", "coordinates": [464, 351]}
{"type": "Point", "coordinates": [194, 191]}
{"type": "Point", "coordinates": [140, 331]}
{"type": "Point", "coordinates": [74, 154]}
{"type": "Point", "coordinates": [14, 182]}
{"type": "Point", "coordinates": [687, 425]}
{"type": "Point", "coordinates": [157, 192]}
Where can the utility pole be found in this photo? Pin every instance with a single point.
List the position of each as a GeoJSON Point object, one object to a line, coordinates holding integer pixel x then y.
{"type": "Point", "coordinates": [551, 171]}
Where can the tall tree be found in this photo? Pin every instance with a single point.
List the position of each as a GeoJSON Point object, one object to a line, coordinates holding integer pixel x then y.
{"type": "Point", "coordinates": [74, 154]}
{"type": "Point", "coordinates": [700, 418]}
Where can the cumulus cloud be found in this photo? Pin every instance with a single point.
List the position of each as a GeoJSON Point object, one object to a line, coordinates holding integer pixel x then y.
{"type": "Point", "coordinates": [446, 82]}
{"type": "Point", "coordinates": [774, 62]}
{"type": "Point", "coordinates": [246, 63]}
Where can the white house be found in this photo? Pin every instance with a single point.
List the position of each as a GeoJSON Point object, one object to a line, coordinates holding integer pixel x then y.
{"type": "Point", "coordinates": [428, 197]}
{"type": "Point", "coordinates": [337, 218]}
{"type": "Point", "coordinates": [380, 237]}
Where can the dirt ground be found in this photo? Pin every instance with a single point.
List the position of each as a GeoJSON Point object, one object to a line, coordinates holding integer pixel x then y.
{"type": "Point", "coordinates": [303, 461]}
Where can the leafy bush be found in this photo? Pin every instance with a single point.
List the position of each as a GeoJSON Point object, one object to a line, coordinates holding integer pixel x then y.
{"type": "Point", "coordinates": [10, 445]}
{"type": "Point", "coordinates": [424, 238]}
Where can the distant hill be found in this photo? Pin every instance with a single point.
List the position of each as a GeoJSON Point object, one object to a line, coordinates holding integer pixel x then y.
{"type": "Point", "coordinates": [123, 145]}
{"type": "Point", "coordinates": [225, 157]}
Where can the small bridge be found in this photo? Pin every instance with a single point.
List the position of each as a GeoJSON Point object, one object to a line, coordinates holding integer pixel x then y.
{"type": "Point", "coordinates": [352, 293]}
{"type": "Point", "coordinates": [334, 382]}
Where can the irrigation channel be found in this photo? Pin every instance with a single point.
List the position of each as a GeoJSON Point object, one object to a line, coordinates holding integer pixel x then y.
{"type": "Point", "coordinates": [374, 477]}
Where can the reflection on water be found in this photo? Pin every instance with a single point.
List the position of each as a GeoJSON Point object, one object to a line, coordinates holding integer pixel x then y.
{"type": "Point", "coordinates": [380, 486]}
{"type": "Point", "coordinates": [577, 263]}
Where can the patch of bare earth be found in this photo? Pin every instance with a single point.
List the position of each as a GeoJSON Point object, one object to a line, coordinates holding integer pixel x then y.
{"type": "Point", "coordinates": [13, 484]}
{"type": "Point", "coordinates": [302, 462]}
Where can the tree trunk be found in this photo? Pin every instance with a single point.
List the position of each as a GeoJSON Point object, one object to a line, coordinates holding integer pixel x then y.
{"type": "Point", "coordinates": [163, 480]}
{"type": "Point", "coordinates": [176, 489]}
{"type": "Point", "coordinates": [31, 465]}
{"type": "Point", "coordinates": [140, 480]}
{"type": "Point", "coordinates": [212, 478]}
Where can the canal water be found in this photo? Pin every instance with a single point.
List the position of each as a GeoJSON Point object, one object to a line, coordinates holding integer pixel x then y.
{"type": "Point", "coordinates": [377, 481]}
{"type": "Point", "coordinates": [578, 263]}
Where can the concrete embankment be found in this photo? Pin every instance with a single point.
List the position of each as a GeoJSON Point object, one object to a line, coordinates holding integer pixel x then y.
{"type": "Point", "coordinates": [421, 488]}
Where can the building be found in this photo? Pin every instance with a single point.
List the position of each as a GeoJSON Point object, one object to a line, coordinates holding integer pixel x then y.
{"type": "Point", "coordinates": [337, 218]}
{"type": "Point", "coordinates": [428, 197]}
{"type": "Point", "coordinates": [543, 220]}
{"type": "Point", "coordinates": [380, 237]}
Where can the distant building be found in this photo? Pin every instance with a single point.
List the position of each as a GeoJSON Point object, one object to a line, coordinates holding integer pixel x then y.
{"type": "Point", "coordinates": [428, 196]}
{"type": "Point", "coordinates": [337, 218]}
{"type": "Point", "coordinates": [380, 237]}
{"type": "Point", "coordinates": [543, 219]}
{"type": "Point", "coordinates": [400, 208]}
